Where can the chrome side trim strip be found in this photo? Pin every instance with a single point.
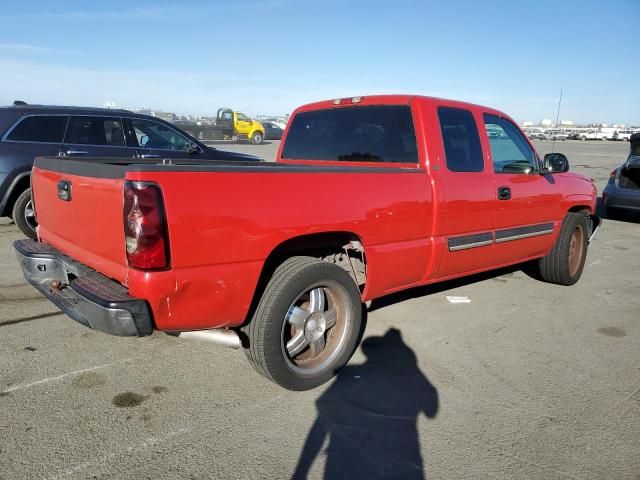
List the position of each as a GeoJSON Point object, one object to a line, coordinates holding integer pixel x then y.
{"type": "Point", "coordinates": [470, 245]}
{"type": "Point", "coordinates": [524, 235]}
{"type": "Point", "coordinates": [465, 242]}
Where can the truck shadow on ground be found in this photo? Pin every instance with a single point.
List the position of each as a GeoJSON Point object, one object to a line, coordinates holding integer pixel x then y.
{"type": "Point", "coordinates": [368, 416]}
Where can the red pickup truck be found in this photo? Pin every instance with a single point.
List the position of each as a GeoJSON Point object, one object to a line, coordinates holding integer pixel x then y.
{"type": "Point", "coordinates": [368, 196]}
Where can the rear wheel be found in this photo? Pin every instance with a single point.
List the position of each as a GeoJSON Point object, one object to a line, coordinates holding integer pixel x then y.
{"type": "Point", "coordinates": [24, 215]}
{"type": "Point", "coordinates": [564, 264]}
{"type": "Point", "coordinates": [257, 138]}
{"type": "Point", "coordinates": [583, 138]}
{"type": "Point", "coordinates": [306, 325]}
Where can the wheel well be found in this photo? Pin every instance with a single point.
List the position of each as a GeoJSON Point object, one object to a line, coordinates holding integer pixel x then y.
{"type": "Point", "coordinates": [594, 220]}
{"type": "Point", "coordinates": [342, 248]}
{"type": "Point", "coordinates": [580, 208]}
{"type": "Point", "coordinates": [18, 188]}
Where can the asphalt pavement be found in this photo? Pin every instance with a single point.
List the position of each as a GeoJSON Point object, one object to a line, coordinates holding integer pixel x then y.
{"type": "Point", "coordinates": [527, 381]}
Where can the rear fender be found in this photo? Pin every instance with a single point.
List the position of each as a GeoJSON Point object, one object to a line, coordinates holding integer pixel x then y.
{"type": "Point", "coordinates": [5, 203]}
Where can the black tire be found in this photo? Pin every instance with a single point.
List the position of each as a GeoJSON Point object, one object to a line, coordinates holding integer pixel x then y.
{"type": "Point", "coordinates": [583, 138]}
{"type": "Point", "coordinates": [257, 138]}
{"type": "Point", "coordinates": [564, 264]}
{"type": "Point", "coordinates": [268, 349]}
{"type": "Point", "coordinates": [23, 216]}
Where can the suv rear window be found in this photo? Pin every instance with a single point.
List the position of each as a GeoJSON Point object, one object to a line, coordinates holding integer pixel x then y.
{"type": "Point", "coordinates": [41, 128]}
{"type": "Point", "coordinates": [382, 133]}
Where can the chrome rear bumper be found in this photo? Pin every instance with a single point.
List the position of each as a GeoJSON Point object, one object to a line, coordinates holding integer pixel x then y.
{"type": "Point", "coordinates": [85, 295]}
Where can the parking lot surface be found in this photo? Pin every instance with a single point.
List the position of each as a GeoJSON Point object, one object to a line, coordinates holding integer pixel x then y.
{"type": "Point", "coordinates": [528, 380]}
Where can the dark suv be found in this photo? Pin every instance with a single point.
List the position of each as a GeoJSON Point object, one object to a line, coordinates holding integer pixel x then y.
{"type": "Point", "coordinates": [28, 131]}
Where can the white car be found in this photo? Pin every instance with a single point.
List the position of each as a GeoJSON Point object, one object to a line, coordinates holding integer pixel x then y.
{"type": "Point", "coordinates": [555, 135]}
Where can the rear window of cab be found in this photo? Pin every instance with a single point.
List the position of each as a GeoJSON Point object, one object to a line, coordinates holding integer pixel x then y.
{"type": "Point", "coordinates": [376, 133]}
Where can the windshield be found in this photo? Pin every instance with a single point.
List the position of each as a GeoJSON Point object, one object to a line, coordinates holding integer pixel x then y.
{"type": "Point", "coordinates": [364, 133]}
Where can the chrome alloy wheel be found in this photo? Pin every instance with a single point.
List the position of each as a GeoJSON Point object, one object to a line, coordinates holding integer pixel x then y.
{"type": "Point", "coordinates": [30, 215]}
{"type": "Point", "coordinates": [317, 327]}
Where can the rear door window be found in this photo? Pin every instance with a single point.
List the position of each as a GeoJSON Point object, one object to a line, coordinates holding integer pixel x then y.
{"type": "Point", "coordinates": [40, 129]}
{"type": "Point", "coordinates": [461, 140]}
{"type": "Point", "coordinates": [102, 131]}
{"type": "Point", "coordinates": [381, 133]}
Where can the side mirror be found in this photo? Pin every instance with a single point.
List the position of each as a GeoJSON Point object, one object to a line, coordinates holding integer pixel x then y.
{"type": "Point", "coordinates": [144, 139]}
{"type": "Point", "coordinates": [555, 163]}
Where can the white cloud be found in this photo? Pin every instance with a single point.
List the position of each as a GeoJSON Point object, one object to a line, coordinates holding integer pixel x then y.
{"type": "Point", "coordinates": [173, 12]}
{"type": "Point", "coordinates": [20, 47]}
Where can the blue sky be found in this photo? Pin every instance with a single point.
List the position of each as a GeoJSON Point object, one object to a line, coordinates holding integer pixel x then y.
{"type": "Point", "coordinates": [268, 56]}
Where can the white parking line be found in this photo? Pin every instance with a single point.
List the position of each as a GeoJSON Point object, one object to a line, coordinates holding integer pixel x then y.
{"type": "Point", "coordinates": [63, 376]}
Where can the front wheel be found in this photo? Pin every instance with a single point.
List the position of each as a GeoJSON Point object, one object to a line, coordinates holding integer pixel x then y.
{"type": "Point", "coordinates": [24, 214]}
{"type": "Point", "coordinates": [563, 265]}
{"type": "Point", "coordinates": [306, 325]}
{"type": "Point", "coordinates": [257, 138]}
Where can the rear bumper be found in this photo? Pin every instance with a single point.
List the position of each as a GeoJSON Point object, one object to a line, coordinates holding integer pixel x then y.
{"type": "Point", "coordinates": [621, 198]}
{"type": "Point", "coordinates": [85, 295]}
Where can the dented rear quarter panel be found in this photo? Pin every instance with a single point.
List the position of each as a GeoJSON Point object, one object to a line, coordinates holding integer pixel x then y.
{"type": "Point", "coordinates": [222, 227]}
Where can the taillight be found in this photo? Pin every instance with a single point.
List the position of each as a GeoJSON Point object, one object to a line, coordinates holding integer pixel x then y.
{"type": "Point", "coordinates": [614, 172]}
{"type": "Point", "coordinates": [145, 226]}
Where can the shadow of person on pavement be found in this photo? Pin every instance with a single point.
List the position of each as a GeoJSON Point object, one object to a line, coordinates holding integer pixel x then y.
{"type": "Point", "coordinates": [369, 416]}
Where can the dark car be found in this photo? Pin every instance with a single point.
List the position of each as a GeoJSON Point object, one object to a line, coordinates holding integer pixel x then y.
{"type": "Point", "coordinates": [272, 131]}
{"type": "Point", "coordinates": [28, 131]}
{"type": "Point", "coordinates": [622, 193]}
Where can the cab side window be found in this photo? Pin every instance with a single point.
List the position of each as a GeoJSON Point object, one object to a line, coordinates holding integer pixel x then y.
{"type": "Point", "coordinates": [510, 151]}
{"type": "Point", "coordinates": [103, 131]}
{"type": "Point", "coordinates": [461, 140]}
{"type": "Point", "coordinates": [242, 117]}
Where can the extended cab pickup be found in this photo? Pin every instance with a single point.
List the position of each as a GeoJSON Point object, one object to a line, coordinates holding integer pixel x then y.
{"type": "Point", "coordinates": [369, 195]}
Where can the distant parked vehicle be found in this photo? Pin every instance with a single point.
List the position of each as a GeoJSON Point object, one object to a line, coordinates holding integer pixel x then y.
{"type": "Point", "coordinates": [574, 135]}
{"type": "Point", "coordinates": [228, 125]}
{"type": "Point", "coordinates": [623, 135]}
{"type": "Point", "coordinates": [28, 131]}
{"type": "Point", "coordinates": [593, 135]}
{"type": "Point", "coordinates": [534, 134]}
{"type": "Point", "coordinates": [272, 131]}
{"type": "Point", "coordinates": [555, 135]}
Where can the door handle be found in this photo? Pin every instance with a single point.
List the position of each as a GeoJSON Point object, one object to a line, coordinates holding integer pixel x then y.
{"type": "Point", "coordinates": [149, 155]}
{"type": "Point", "coordinates": [76, 152]}
{"type": "Point", "coordinates": [504, 193]}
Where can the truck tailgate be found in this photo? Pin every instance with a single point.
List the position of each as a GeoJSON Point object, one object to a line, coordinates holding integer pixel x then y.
{"type": "Point", "coordinates": [89, 225]}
